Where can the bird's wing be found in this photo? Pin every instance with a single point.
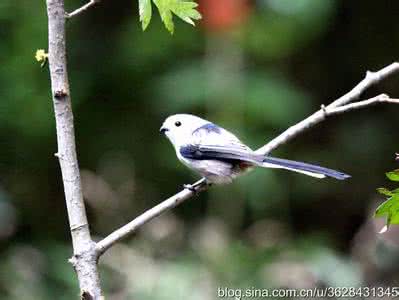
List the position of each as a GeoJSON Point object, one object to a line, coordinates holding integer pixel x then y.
{"type": "Point", "coordinates": [213, 142]}
{"type": "Point", "coordinates": [223, 153]}
{"type": "Point", "coordinates": [211, 134]}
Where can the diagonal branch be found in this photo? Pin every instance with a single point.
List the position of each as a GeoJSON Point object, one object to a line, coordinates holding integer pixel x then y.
{"type": "Point", "coordinates": [132, 226]}
{"type": "Point", "coordinates": [82, 9]}
{"type": "Point", "coordinates": [340, 105]}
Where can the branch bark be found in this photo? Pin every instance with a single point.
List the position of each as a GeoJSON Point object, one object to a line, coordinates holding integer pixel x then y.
{"type": "Point", "coordinates": [84, 259]}
{"type": "Point", "coordinates": [338, 106]}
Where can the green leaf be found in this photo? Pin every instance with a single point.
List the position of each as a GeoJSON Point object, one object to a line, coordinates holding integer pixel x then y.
{"type": "Point", "coordinates": [384, 191]}
{"type": "Point", "coordinates": [389, 209]}
{"type": "Point", "coordinates": [394, 175]}
{"type": "Point", "coordinates": [145, 12]}
{"type": "Point", "coordinates": [185, 10]}
{"type": "Point", "coordinates": [384, 208]}
{"type": "Point", "coordinates": [166, 14]}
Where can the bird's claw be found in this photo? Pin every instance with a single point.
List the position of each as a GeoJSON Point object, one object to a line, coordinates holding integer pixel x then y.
{"type": "Point", "coordinates": [196, 187]}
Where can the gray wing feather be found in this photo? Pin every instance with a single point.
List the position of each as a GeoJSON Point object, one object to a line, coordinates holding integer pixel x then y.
{"type": "Point", "coordinates": [234, 153]}
{"type": "Point", "coordinates": [214, 136]}
{"type": "Point", "coordinates": [214, 142]}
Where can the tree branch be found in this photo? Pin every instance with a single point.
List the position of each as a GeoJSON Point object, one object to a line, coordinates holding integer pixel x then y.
{"type": "Point", "coordinates": [82, 9]}
{"type": "Point", "coordinates": [338, 106]}
{"type": "Point", "coordinates": [383, 98]}
{"type": "Point", "coordinates": [84, 259]}
{"type": "Point", "coordinates": [132, 226]}
{"type": "Point", "coordinates": [370, 79]}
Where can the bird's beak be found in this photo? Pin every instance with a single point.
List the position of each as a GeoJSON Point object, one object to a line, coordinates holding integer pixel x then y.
{"type": "Point", "coordinates": [163, 129]}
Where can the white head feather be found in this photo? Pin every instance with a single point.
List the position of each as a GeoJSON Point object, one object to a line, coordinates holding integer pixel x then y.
{"type": "Point", "coordinates": [179, 128]}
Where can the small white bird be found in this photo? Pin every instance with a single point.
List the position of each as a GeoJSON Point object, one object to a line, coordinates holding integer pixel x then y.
{"type": "Point", "coordinates": [219, 156]}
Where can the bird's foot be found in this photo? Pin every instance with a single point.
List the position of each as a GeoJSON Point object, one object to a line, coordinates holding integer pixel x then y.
{"type": "Point", "coordinates": [195, 188]}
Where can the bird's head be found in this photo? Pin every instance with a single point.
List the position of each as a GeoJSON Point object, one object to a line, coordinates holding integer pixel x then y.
{"type": "Point", "coordinates": [179, 128]}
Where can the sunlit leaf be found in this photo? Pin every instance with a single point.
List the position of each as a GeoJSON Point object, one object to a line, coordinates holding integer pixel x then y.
{"type": "Point", "coordinates": [389, 209]}
{"type": "Point", "coordinates": [166, 14]}
{"type": "Point", "coordinates": [185, 10]}
{"type": "Point", "coordinates": [384, 191]}
{"type": "Point", "coordinates": [384, 208]}
{"type": "Point", "coordinates": [41, 56]}
{"type": "Point", "coordinates": [394, 175]}
{"type": "Point", "coordinates": [145, 12]}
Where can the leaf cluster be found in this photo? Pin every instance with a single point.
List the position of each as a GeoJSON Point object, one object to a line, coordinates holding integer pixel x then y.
{"type": "Point", "coordinates": [185, 10]}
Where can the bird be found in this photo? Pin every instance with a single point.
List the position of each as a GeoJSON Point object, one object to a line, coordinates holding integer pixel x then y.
{"type": "Point", "coordinates": [219, 156]}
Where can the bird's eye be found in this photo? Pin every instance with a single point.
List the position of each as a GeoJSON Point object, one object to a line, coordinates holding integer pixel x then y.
{"type": "Point", "coordinates": [177, 123]}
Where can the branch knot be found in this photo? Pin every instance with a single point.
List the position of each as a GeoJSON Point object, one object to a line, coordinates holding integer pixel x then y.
{"type": "Point", "coordinates": [324, 110]}
{"type": "Point", "coordinates": [383, 97]}
{"type": "Point", "coordinates": [60, 94]}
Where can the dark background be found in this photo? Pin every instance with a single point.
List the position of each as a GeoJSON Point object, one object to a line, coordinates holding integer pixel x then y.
{"type": "Point", "coordinates": [255, 67]}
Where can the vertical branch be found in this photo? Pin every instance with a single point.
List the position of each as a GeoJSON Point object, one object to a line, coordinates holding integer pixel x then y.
{"type": "Point", "coordinates": [85, 258]}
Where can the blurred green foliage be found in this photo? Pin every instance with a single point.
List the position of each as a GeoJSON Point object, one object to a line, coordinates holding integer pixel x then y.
{"type": "Point", "coordinates": [268, 229]}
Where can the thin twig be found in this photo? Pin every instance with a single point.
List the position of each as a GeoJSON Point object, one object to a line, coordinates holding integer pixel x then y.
{"type": "Point", "coordinates": [370, 79]}
{"type": "Point", "coordinates": [82, 9]}
{"type": "Point", "coordinates": [338, 106]}
{"type": "Point", "coordinates": [383, 98]}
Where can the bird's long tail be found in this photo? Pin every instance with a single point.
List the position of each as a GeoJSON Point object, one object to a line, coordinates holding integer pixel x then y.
{"type": "Point", "coordinates": [304, 168]}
